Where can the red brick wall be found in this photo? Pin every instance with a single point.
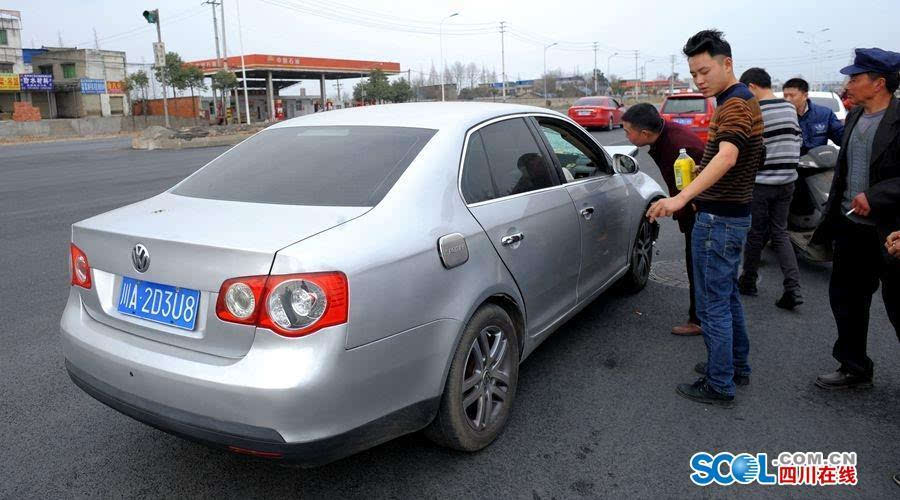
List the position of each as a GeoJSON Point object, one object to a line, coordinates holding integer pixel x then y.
{"type": "Point", "coordinates": [180, 106]}
{"type": "Point", "coordinates": [25, 112]}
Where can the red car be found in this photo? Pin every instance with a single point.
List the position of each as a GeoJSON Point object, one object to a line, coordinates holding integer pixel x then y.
{"type": "Point", "coordinates": [597, 112]}
{"type": "Point", "coordinates": [691, 109]}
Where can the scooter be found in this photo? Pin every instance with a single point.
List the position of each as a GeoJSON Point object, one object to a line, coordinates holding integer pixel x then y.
{"type": "Point", "coordinates": [816, 171]}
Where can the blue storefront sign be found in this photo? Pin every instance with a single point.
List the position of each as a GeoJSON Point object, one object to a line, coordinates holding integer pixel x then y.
{"type": "Point", "coordinates": [36, 82]}
{"type": "Point", "coordinates": [93, 86]}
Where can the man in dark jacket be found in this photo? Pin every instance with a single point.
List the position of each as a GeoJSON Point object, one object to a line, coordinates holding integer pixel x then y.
{"type": "Point", "coordinates": [645, 127]}
{"type": "Point", "coordinates": [861, 212]}
{"type": "Point", "coordinates": [818, 123]}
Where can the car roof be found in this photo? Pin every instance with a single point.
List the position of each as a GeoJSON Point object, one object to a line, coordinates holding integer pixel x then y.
{"type": "Point", "coordinates": [431, 115]}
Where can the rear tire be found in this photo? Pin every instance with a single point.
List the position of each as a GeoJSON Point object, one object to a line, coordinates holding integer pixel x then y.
{"type": "Point", "coordinates": [480, 389]}
{"type": "Point", "coordinates": [641, 259]}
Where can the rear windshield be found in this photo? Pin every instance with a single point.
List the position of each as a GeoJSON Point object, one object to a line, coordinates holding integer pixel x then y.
{"type": "Point", "coordinates": [696, 105]}
{"type": "Point", "coordinates": [829, 102]}
{"type": "Point", "coordinates": [590, 101]}
{"type": "Point", "coordinates": [324, 166]}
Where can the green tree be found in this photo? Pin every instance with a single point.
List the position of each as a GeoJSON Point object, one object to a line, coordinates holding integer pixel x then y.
{"type": "Point", "coordinates": [173, 76]}
{"type": "Point", "coordinates": [401, 91]}
{"type": "Point", "coordinates": [223, 81]}
{"type": "Point", "coordinates": [193, 78]}
{"type": "Point", "coordinates": [140, 81]}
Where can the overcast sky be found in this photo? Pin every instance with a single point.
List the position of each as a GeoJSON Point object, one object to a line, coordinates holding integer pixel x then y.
{"type": "Point", "coordinates": [762, 33]}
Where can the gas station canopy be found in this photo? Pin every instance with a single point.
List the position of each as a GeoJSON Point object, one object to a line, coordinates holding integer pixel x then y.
{"type": "Point", "coordinates": [288, 70]}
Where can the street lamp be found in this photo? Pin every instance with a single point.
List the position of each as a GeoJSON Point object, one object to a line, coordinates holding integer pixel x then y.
{"type": "Point", "coordinates": [441, 31]}
{"type": "Point", "coordinates": [811, 41]}
{"type": "Point", "coordinates": [545, 67]}
{"type": "Point", "coordinates": [614, 54]}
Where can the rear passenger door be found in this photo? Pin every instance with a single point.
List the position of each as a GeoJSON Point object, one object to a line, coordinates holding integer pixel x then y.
{"type": "Point", "coordinates": [515, 193]}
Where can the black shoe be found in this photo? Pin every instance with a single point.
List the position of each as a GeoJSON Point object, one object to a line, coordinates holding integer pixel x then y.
{"type": "Point", "coordinates": [790, 300]}
{"type": "Point", "coordinates": [738, 379]}
{"type": "Point", "coordinates": [747, 287]}
{"type": "Point", "coordinates": [897, 478]}
{"type": "Point", "coordinates": [701, 392]}
{"type": "Point", "coordinates": [843, 380]}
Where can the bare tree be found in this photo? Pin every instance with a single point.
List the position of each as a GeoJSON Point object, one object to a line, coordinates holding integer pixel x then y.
{"type": "Point", "coordinates": [433, 77]}
{"type": "Point", "coordinates": [472, 74]}
{"type": "Point", "coordinates": [459, 74]}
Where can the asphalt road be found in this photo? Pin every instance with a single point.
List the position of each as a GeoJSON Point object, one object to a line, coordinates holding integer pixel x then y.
{"type": "Point", "coordinates": [596, 414]}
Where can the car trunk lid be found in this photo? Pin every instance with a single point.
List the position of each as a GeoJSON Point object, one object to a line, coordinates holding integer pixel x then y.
{"type": "Point", "coordinates": [193, 244]}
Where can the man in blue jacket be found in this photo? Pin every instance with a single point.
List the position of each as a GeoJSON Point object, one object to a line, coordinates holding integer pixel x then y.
{"type": "Point", "coordinates": [818, 123]}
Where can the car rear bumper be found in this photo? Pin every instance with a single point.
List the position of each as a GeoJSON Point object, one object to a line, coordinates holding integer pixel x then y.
{"type": "Point", "coordinates": [310, 399]}
{"type": "Point", "coordinates": [591, 121]}
{"type": "Point", "coordinates": [252, 440]}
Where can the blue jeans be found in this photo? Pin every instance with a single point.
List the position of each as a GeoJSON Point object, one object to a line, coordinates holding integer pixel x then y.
{"type": "Point", "coordinates": [717, 244]}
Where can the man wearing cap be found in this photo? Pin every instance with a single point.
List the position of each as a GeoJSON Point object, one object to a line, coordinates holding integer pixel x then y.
{"type": "Point", "coordinates": [861, 212]}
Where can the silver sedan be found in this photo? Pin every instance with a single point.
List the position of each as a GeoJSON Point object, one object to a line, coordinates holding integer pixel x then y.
{"type": "Point", "coordinates": [344, 278]}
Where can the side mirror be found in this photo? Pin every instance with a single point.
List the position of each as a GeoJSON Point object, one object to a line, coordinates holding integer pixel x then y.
{"type": "Point", "coordinates": [624, 164]}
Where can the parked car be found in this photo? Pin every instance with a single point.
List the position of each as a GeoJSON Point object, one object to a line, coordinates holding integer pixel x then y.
{"type": "Point", "coordinates": [830, 100]}
{"type": "Point", "coordinates": [343, 278]}
{"type": "Point", "coordinates": [691, 109]}
{"type": "Point", "coordinates": [590, 112]}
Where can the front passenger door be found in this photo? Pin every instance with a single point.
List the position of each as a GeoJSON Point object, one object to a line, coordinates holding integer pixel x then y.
{"type": "Point", "coordinates": [511, 189]}
{"type": "Point", "coordinates": [599, 197]}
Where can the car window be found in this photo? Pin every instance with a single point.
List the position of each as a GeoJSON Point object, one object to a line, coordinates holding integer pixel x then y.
{"type": "Point", "coordinates": [477, 185]}
{"type": "Point", "coordinates": [614, 103]}
{"type": "Point", "coordinates": [684, 105]}
{"type": "Point", "coordinates": [828, 102]}
{"type": "Point", "coordinates": [324, 166]}
{"type": "Point", "coordinates": [588, 101]}
{"type": "Point", "coordinates": [516, 163]}
{"type": "Point", "coordinates": [576, 158]}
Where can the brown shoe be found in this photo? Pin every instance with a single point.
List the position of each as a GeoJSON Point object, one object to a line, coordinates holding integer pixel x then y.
{"type": "Point", "coordinates": [687, 330]}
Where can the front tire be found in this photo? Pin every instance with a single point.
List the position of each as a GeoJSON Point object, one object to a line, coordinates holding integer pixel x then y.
{"type": "Point", "coordinates": [641, 259]}
{"type": "Point", "coordinates": [481, 385]}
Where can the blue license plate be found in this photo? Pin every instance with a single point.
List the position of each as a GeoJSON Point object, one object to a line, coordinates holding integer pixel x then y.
{"type": "Point", "coordinates": [684, 121]}
{"type": "Point", "coordinates": [159, 303]}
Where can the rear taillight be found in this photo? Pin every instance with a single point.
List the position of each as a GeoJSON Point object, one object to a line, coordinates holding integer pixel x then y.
{"type": "Point", "coordinates": [81, 270]}
{"type": "Point", "coordinates": [292, 305]}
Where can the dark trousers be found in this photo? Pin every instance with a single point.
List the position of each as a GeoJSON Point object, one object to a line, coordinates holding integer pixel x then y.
{"type": "Point", "coordinates": [860, 261]}
{"type": "Point", "coordinates": [770, 208]}
{"type": "Point", "coordinates": [686, 220]}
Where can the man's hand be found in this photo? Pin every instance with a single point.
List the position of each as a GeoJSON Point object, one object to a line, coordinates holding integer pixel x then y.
{"type": "Point", "coordinates": [860, 205]}
{"type": "Point", "coordinates": [893, 244]}
{"type": "Point", "coordinates": [665, 207]}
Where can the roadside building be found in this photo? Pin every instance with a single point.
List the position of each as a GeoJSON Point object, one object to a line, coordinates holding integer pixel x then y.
{"type": "Point", "coordinates": [86, 82]}
{"type": "Point", "coordinates": [12, 62]}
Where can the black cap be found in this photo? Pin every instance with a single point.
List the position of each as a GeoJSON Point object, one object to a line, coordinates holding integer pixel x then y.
{"type": "Point", "coordinates": [873, 60]}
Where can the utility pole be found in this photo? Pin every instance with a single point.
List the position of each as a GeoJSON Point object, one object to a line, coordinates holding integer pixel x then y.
{"type": "Point", "coordinates": [637, 80]}
{"type": "Point", "coordinates": [503, 57]}
{"type": "Point", "coordinates": [213, 4]}
{"type": "Point", "coordinates": [672, 77]}
{"type": "Point", "coordinates": [225, 62]}
{"type": "Point", "coordinates": [152, 16]}
{"type": "Point", "coordinates": [595, 68]}
{"type": "Point", "coordinates": [243, 67]}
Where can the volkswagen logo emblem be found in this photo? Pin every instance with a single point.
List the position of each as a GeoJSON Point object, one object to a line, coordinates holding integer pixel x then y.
{"type": "Point", "coordinates": [140, 257]}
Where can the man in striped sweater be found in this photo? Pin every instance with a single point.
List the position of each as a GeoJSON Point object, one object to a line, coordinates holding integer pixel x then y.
{"type": "Point", "coordinates": [773, 190]}
{"type": "Point", "coordinates": [721, 192]}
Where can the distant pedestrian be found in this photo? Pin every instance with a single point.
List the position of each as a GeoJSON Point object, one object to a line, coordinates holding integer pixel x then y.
{"type": "Point", "coordinates": [818, 123]}
{"type": "Point", "coordinates": [722, 192]}
{"type": "Point", "coordinates": [773, 190]}
{"type": "Point", "coordinates": [645, 127]}
{"type": "Point", "coordinates": [862, 210]}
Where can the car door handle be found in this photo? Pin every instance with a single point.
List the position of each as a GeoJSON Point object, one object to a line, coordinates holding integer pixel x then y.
{"type": "Point", "coordinates": [512, 238]}
{"type": "Point", "coordinates": [587, 212]}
